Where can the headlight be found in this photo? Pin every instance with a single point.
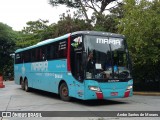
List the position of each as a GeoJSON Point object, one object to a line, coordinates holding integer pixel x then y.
{"type": "Point", "coordinates": [94, 88]}
{"type": "Point", "coordinates": [129, 87]}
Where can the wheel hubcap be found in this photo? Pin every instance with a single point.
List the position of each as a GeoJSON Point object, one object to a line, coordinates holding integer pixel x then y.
{"type": "Point", "coordinates": [26, 85]}
{"type": "Point", "coordinates": [65, 91]}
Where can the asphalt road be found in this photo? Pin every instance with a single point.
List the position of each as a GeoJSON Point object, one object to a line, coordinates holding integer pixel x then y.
{"type": "Point", "coordinates": [12, 98]}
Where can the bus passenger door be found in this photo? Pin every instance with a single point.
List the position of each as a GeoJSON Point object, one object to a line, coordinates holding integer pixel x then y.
{"type": "Point", "coordinates": [79, 75]}
{"type": "Point", "coordinates": [78, 66]}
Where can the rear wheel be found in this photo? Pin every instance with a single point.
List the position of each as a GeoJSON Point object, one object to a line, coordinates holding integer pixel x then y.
{"type": "Point", "coordinates": [64, 92]}
{"type": "Point", "coordinates": [22, 84]}
{"type": "Point", "coordinates": [26, 88]}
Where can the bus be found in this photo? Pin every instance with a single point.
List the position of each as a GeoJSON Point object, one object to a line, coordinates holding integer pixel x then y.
{"type": "Point", "coordinates": [61, 66]}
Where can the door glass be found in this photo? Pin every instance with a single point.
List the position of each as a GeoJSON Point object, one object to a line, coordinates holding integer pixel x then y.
{"type": "Point", "coordinates": [76, 57]}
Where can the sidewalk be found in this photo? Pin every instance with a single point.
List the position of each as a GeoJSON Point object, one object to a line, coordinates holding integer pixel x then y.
{"type": "Point", "coordinates": [147, 93]}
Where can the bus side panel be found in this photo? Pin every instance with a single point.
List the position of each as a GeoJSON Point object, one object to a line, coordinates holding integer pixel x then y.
{"type": "Point", "coordinates": [76, 88]}
{"type": "Point", "coordinates": [57, 72]}
{"type": "Point", "coordinates": [18, 68]}
{"type": "Point", "coordinates": [47, 75]}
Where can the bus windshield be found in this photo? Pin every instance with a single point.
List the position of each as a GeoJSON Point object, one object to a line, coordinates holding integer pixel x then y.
{"type": "Point", "coordinates": [107, 58]}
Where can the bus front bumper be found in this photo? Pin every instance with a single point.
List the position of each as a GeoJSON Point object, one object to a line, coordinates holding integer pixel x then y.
{"type": "Point", "coordinates": [107, 94]}
{"type": "Point", "coordinates": [109, 90]}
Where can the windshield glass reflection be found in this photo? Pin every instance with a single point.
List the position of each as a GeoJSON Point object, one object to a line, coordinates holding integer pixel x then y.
{"type": "Point", "coordinates": [107, 58]}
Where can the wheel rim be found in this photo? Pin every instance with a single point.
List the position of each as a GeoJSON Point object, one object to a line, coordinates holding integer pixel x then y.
{"type": "Point", "coordinates": [22, 84]}
{"type": "Point", "coordinates": [26, 85]}
{"type": "Point", "coordinates": [65, 91]}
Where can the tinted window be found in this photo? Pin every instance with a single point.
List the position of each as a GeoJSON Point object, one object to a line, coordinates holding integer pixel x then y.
{"type": "Point", "coordinates": [27, 56]}
{"type": "Point", "coordinates": [18, 58]}
{"type": "Point", "coordinates": [62, 49]}
{"type": "Point", "coordinates": [56, 50]}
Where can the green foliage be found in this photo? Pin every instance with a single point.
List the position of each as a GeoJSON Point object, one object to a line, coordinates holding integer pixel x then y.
{"type": "Point", "coordinates": [141, 25]}
{"type": "Point", "coordinates": [110, 21]}
{"type": "Point", "coordinates": [106, 23]}
{"type": "Point", "coordinates": [98, 6]}
{"type": "Point", "coordinates": [25, 40]}
{"type": "Point", "coordinates": [68, 25]}
{"type": "Point", "coordinates": [35, 27]}
{"type": "Point", "coordinates": [33, 33]}
{"type": "Point", "coordinates": [37, 31]}
{"type": "Point", "coordinates": [7, 44]}
{"type": "Point", "coordinates": [100, 21]}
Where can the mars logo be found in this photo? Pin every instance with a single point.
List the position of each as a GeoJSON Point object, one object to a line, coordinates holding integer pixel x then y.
{"type": "Point", "coordinates": [108, 41]}
{"type": "Point", "coordinates": [39, 66]}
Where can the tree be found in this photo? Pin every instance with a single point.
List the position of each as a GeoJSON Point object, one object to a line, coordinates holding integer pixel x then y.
{"type": "Point", "coordinates": [7, 44]}
{"type": "Point", "coordinates": [37, 31]}
{"type": "Point", "coordinates": [141, 26]}
{"type": "Point", "coordinates": [98, 6]}
{"type": "Point", "coordinates": [66, 24]}
{"type": "Point", "coordinates": [35, 27]}
{"type": "Point", "coordinates": [25, 40]}
{"type": "Point", "coordinates": [110, 21]}
{"type": "Point", "coordinates": [34, 32]}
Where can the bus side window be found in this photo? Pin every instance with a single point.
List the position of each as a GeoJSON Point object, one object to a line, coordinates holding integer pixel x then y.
{"type": "Point", "coordinates": [56, 51]}
{"type": "Point", "coordinates": [33, 55]}
{"type": "Point", "coordinates": [43, 53]}
{"type": "Point", "coordinates": [27, 56]}
{"type": "Point", "coordinates": [52, 52]}
{"type": "Point", "coordinates": [40, 54]}
{"type": "Point", "coordinates": [61, 48]}
{"type": "Point", "coordinates": [37, 54]}
{"type": "Point", "coordinates": [48, 52]}
{"type": "Point", "coordinates": [22, 57]}
{"type": "Point", "coordinates": [18, 58]}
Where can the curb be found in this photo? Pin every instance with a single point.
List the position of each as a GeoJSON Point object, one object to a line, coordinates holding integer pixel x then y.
{"type": "Point", "coordinates": [147, 93]}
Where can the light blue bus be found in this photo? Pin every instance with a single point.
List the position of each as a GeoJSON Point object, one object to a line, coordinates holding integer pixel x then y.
{"type": "Point", "coordinates": [84, 65]}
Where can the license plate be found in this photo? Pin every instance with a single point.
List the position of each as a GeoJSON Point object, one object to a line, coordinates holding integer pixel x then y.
{"type": "Point", "coordinates": [114, 93]}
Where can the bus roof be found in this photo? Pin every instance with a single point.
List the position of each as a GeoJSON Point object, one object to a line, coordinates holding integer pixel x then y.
{"type": "Point", "coordinates": [98, 33]}
{"type": "Point", "coordinates": [67, 35]}
{"type": "Point", "coordinates": [43, 43]}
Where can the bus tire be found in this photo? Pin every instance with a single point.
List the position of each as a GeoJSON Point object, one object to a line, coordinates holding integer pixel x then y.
{"type": "Point", "coordinates": [26, 88]}
{"type": "Point", "coordinates": [22, 84]}
{"type": "Point", "coordinates": [64, 92]}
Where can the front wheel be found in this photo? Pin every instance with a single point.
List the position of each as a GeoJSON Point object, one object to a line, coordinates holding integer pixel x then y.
{"type": "Point", "coordinates": [64, 92]}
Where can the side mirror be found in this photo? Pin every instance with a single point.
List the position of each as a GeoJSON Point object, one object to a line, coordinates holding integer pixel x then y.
{"type": "Point", "coordinates": [12, 55]}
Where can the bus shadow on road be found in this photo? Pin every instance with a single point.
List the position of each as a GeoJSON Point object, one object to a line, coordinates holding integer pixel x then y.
{"type": "Point", "coordinates": [43, 93]}
{"type": "Point", "coordinates": [98, 102]}
{"type": "Point", "coordinates": [78, 101]}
